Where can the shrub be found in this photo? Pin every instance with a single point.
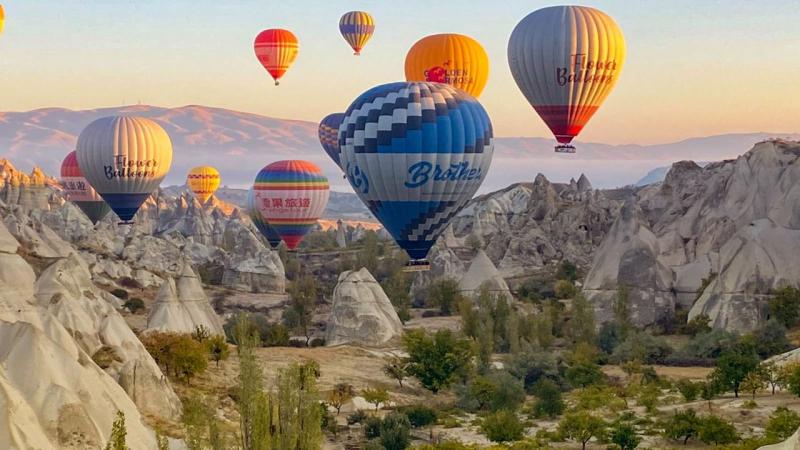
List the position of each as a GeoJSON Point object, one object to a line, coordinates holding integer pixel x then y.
{"type": "Point", "coordinates": [121, 294]}
{"type": "Point", "coordinates": [548, 399]}
{"type": "Point", "coordinates": [355, 417]}
{"type": "Point", "coordinates": [689, 389]}
{"type": "Point", "coordinates": [564, 289]}
{"type": "Point", "coordinates": [502, 426]}
{"type": "Point", "coordinates": [532, 366]}
{"type": "Point", "coordinates": [178, 354]}
{"type": "Point", "coordinates": [217, 348]}
{"type": "Point", "coordinates": [567, 271]}
{"type": "Point", "coordinates": [782, 424]}
{"type": "Point", "coordinates": [445, 295]}
{"type": "Point", "coordinates": [134, 304]}
{"type": "Point", "coordinates": [437, 360]}
{"type": "Point", "coordinates": [609, 337]}
{"type": "Point", "coordinates": [624, 435]}
{"type": "Point", "coordinates": [583, 374]}
{"type": "Point", "coordinates": [372, 427]}
{"type": "Point", "coordinates": [717, 431]}
{"type": "Point", "coordinates": [498, 390]}
{"type": "Point", "coordinates": [698, 325]}
{"type": "Point", "coordinates": [784, 306]}
{"type": "Point", "coordinates": [105, 356]}
{"type": "Point", "coordinates": [682, 426]}
{"type": "Point", "coordinates": [420, 415]}
{"type": "Point", "coordinates": [641, 346]}
{"type": "Point", "coordinates": [708, 345]}
{"type": "Point", "coordinates": [395, 432]}
{"type": "Point", "coordinates": [770, 339]}
{"type": "Point", "coordinates": [317, 342]}
{"type": "Point", "coordinates": [129, 283]}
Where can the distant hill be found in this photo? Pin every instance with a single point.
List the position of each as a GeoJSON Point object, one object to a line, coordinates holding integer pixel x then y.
{"type": "Point", "coordinates": [239, 144]}
{"type": "Point", "coordinates": [657, 175]}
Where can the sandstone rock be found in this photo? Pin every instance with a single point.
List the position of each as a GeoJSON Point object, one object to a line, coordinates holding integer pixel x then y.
{"type": "Point", "coordinates": [263, 272]}
{"type": "Point", "coordinates": [361, 312]}
{"type": "Point", "coordinates": [483, 274]}
{"type": "Point", "coordinates": [183, 306]}
{"type": "Point", "coordinates": [791, 443]}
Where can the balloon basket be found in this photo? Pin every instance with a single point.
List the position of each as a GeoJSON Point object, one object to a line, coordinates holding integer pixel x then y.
{"type": "Point", "coordinates": [417, 265]}
{"type": "Point", "coordinates": [565, 149]}
{"type": "Point", "coordinates": [125, 222]}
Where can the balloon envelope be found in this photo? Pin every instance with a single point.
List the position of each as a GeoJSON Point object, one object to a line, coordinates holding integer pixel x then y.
{"type": "Point", "coordinates": [2, 18]}
{"type": "Point", "coordinates": [276, 50]}
{"type": "Point", "coordinates": [450, 58]}
{"type": "Point", "coordinates": [356, 28]}
{"type": "Point", "coordinates": [291, 195]}
{"type": "Point", "coordinates": [329, 135]}
{"type": "Point", "coordinates": [269, 233]}
{"type": "Point", "coordinates": [125, 159]}
{"type": "Point", "coordinates": [566, 60]}
{"type": "Point", "coordinates": [415, 153]}
{"type": "Point", "coordinates": [78, 190]}
{"type": "Point", "coordinates": [203, 182]}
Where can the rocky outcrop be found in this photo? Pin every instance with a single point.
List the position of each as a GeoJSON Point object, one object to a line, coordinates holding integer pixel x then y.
{"type": "Point", "coordinates": [482, 274]}
{"type": "Point", "coordinates": [361, 312]}
{"type": "Point", "coordinates": [791, 443]}
{"type": "Point", "coordinates": [183, 306]}
{"type": "Point", "coordinates": [65, 289]}
{"type": "Point", "coordinates": [627, 262]}
{"type": "Point", "coordinates": [444, 264]}
{"type": "Point", "coordinates": [262, 272]}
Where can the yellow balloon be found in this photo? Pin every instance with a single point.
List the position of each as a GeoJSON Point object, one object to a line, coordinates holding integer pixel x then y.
{"type": "Point", "coordinates": [455, 59]}
{"type": "Point", "coordinates": [2, 18]}
{"type": "Point", "coordinates": [203, 181]}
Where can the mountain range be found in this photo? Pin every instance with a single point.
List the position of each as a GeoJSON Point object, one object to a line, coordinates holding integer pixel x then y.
{"type": "Point", "coordinates": [240, 143]}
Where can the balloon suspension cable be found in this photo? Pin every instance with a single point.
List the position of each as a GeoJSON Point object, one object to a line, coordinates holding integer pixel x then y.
{"type": "Point", "coordinates": [417, 265]}
{"type": "Point", "coordinates": [565, 148]}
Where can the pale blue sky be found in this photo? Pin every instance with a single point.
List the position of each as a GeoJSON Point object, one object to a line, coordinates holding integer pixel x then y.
{"type": "Point", "coordinates": [694, 67]}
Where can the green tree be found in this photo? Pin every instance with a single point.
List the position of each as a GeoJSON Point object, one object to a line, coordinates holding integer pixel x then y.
{"type": "Point", "coordinates": [708, 391]}
{"type": "Point", "coordinates": [294, 405]}
{"type": "Point", "coordinates": [734, 364]}
{"type": "Point", "coordinates": [200, 424]}
{"type": "Point", "coordinates": [782, 423]}
{"type": "Point", "coordinates": [420, 415]}
{"type": "Point", "coordinates": [396, 368]}
{"type": "Point", "coordinates": [548, 399]}
{"type": "Point", "coordinates": [784, 306]}
{"type": "Point", "coordinates": [581, 327]}
{"type": "Point", "coordinates": [217, 348]}
{"type": "Point", "coordinates": [445, 295]}
{"type": "Point", "coordinates": [793, 379]}
{"type": "Point", "coordinates": [397, 287]}
{"type": "Point", "coordinates": [688, 389]}
{"type": "Point", "coordinates": [771, 373]}
{"type": "Point", "coordinates": [622, 310]}
{"type": "Point", "coordinates": [583, 370]}
{"type": "Point", "coordinates": [682, 426]}
{"type": "Point", "coordinates": [340, 394]}
{"type": "Point", "coordinates": [118, 434]}
{"type": "Point", "coordinates": [624, 436]}
{"type": "Point", "coordinates": [502, 426]}
{"type": "Point", "coordinates": [299, 315]}
{"type": "Point", "coordinates": [582, 426]}
{"type": "Point", "coordinates": [717, 431]}
{"type": "Point", "coordinates": [189, 359]}
{"type": "Point", "coordinates": [497, 390]}
{"type": "Point", "coordinates": [770, 339]}
{"type": "Point", "coordinates": [252, 401]}
{"type": "Point", "coordinates": [567, 271]}
{"type": "Point", "coordinates": [753, 382]}
{"type": "Point", "coordinates": [376, 396]}
{"type": "Point", "coordinates": [437, 360]}
{"type": "Point", "coordinates": [395, 432]}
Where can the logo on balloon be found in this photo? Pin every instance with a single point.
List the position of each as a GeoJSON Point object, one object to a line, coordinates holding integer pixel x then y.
{"type": "Point", "coordinates": [127, 168]}
{"type": "Point", "coordinates": [436, 75]}
{"type": "Point", "coordinates": [423, 172]}
{"type": "Point", "coordinates": [585, 70]}
{"type": "Point", "coordinates": [358, 178]}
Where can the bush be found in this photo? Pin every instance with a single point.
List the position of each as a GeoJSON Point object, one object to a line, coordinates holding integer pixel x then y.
{"type": "Point", "coordinates": [770, 339]}
{"type": "Point", "coordinates": [372, 427]}
{"type": "Point", "coordinates": [178, 354]}
{"type": "Point", "coordinates": [784, 306]}
{"type": "Point", "coordinates": [129, 283]}
{"type": "Point", "coordinates": [121, 294]}
{"type": "Point", "coordinates": [395, 432]}
{"type": "Point", "coordinates": [567, 271]}
{"type": "Point", "coordinates": [609, 337]}
{"type": "Point", "coordinates": [624, 435]}
{"type": "Point", "coordinates": [698, 325]}
{"type": "Point", "coordinates": [708, 345]}
{"type": "Point", "coordinates": [548, 399]}
{"type": "Point", "coordinates": [502, 426]}
{"type": "Point", "coordinates": [444, 294]}
{"type": "Point", "coordinates": [782, 424]}
{"type": "Point", "coordinates": [641, 346]}
{"type": "Point", "coordinates": [437, 360]}
{"type": "Point", "coordinates": [532, 366]}
{"type": "Point", "coordinates": [355, 417]}
{"type": "Point", "coordinates": [134, 305]}
{"type": "Point", "coordinates": [688, 389]}
{"type": "Point", "coordinates": [420, 415]}
{"type": "Point", "coordinates": [105, 356]}
{"type": "Point", "coordinates": [682, 426]}
{"type": "Point", "coordinates": [269, 334]}
{"type": "Point", "coordinates": [498, 390]}
{"type": "Point", "coordinates": [564, 289]}
{"type": "Point", "coordinates": [218, 349]}
{"type": "Point", "coordinates": [717, 431]}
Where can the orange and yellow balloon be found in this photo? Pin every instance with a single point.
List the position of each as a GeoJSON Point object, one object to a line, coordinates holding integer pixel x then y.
{"type": "Point", "coordinates": [455, 59]}
{"type": "Point", "coordinates": [276, 50]}
{"type": "Point", "coordinates": [203, 181]}
{"type": "Point", "coordinates": [2, 18]}
{"type": "Point", "coordinates": [356, 28]}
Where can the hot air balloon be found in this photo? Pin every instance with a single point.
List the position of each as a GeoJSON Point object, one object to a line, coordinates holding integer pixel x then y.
{"type": "Point", "coordinates": [264, 228]}
{"type": "Point", "coordinates": [2, 18]}
{"type": "Point", "coordinates": [80, 192]}
{"type": "Point", "coordinates": [276, 50]}
{"type": "Point", "coordinates": [356, 28]}
{"type": "Point", "coordinates": [454, 59]}
{"type": "Point", "coordinates": [125, 159]}
{"type": "Point", "coordinates": [566, 60]}
{"type": "Point", "coordinates": [203, 181]}
{"type": "Point", "coordinates": [329, 135]}
{"type": "Point", "coordinates": [291, 195]}
{"type": "Point", "coordinates": [415, 153]}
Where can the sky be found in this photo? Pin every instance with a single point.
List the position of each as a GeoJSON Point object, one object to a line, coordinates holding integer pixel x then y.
{"type": "Point", "coordinates": [694, 68]}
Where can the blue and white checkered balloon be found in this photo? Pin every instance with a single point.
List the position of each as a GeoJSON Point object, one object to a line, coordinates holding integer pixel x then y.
{"type": "Point", "coordinates": [415, 153]}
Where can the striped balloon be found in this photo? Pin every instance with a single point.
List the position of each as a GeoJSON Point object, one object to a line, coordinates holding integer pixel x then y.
{"type": "Point", "coordinates": [356, 28]}
{"type": "Point", "coordinates": [415, 153]}
{"type": "Point", "coordinates": [291, 195]}
{"type": "Point", "coordinates": [125, 159]}
{"type": "Point", "coordinates": [78, 190]}
{"type": "Point", "coordinates": [566, 60]}
{"type": "Point", "coordinates": [261, 224]}
{"type": "Point", "coordinates": [329, 135]}
{"type": "Point", "coordinates": [203, 181]}
{"type": "Point", "coordinates": [276, 50]}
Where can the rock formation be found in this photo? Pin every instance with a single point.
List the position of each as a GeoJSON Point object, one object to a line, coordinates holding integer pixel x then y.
{"type": "Point", "coordinates": [483, 274]}
{"type": "Point", "coordinates": [361, 312]}
{"type": "Point", "coordinates": [183, 306]}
